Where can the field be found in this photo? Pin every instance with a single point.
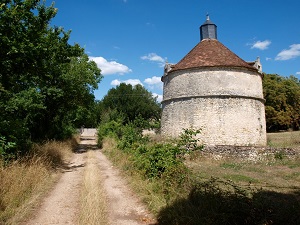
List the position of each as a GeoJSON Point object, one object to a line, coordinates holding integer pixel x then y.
{"type": "Point", "coordinates": [278, 171]}
{"type": "Point", "coordinates": [284, 139]}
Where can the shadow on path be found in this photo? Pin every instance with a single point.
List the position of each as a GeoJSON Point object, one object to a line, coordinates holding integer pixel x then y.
{"type": "Point", "coordinates": [86, 143]}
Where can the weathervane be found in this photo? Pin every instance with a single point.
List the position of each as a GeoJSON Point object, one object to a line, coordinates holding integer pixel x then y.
{"type": "Point", "coordinates": [207, 16]}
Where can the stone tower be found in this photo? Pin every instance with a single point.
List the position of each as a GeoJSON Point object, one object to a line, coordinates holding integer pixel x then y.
{"type": "Point", "coordinates": [214, 90]}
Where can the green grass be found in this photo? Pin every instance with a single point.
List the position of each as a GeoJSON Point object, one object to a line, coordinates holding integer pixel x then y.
{"type": "Point", "coordinates": [261, 174]}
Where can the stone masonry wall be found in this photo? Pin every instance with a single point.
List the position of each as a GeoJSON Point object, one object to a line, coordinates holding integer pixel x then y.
{"type": "Point", "coordinates": [226, 104]}
{"type": "Point", "coordinates": [212, 81]}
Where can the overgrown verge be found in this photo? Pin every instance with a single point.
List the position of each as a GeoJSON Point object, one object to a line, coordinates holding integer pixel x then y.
{"type": "Point", "coordinates": [158, 164]}
{"type": "Point", "coordinates": [26, 179]}
{"type": "Point", "coordinates": [177, 195]}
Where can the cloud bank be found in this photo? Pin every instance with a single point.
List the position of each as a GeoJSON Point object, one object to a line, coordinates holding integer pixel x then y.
{"type": "Point", "coordinates": [133, 82]}
{"type": "Point", "coordinates": [292, 52]}
{"type": "Point", "coordinates": [261, 45]}
{"type": "Point", "coordinates": [153, 57]}
{"type": "Point", "coordinates": [154, 82]}
{"type": "Point", "coordinates": [110, 67]}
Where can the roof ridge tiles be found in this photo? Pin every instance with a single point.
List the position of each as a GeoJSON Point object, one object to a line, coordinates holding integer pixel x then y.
{"type": "Point", "coordinates": [210, 53]}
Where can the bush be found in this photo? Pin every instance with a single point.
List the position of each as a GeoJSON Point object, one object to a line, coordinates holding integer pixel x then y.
{"type": "Point", "coordinates": [188, 141]}
{"type": "Point", "coordinates": [155, 160]}
{"type": "Point", "coordinates": [109, 129]}
{"type": "Point", "coordinates": [131, 138]}
{"type": "Point", "coordinates": [5, 147]}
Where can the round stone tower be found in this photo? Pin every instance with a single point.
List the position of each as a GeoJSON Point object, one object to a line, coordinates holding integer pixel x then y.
{"type": "Point", "coordinates": [214, 90]}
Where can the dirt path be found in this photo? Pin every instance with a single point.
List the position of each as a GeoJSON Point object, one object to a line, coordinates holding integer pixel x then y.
{"type": "Point", "coordinates": [124, 207]}
{"type": "Point", "coordinates": [62, 206]}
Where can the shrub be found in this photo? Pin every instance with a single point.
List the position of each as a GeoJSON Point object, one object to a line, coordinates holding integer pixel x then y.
{"type": "Point", "coordinates": [188, 141]}
{"type": "Point", "coordinates": [130, 135]}
{"type": "Point", "coordinates": [111, 129]}
{"type": "Point", "coordinates": [154, 160]}
{"type": "Point", "coordinates": [5, 147]}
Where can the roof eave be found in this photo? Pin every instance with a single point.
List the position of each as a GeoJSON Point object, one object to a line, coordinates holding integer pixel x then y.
{"type": "Point", "coordinates": [216, 66]}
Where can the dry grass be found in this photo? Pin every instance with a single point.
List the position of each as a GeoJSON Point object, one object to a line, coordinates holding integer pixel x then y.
{"type": "Point", "coordinates": [277, 173]}
{"type": "Point", "coordinates": [24, 181]}
{"type": "Point", "coordinates": [284, 139]}
{"type": "Point", "coordinates": [280, 175]}
{"type": "Point", "coordinates": [150, 192]}
{"type": "Point", "coordinates": [93, 199]}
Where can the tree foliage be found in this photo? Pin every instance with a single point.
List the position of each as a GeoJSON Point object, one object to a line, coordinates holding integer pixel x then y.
{"type": "Point", "coordinates": [133, 103]}
{"type": "Point", "coordinates": [46, 84]}
{"type": "Point", "coordinates": [282, 96]}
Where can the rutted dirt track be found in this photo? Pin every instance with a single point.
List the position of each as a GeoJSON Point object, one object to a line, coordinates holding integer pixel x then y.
{"type": "Point", "coordinates": [62, 206]}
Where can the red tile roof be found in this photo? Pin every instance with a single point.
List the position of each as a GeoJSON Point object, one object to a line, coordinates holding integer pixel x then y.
{"type": "Point", "coordinates": [210, 53]}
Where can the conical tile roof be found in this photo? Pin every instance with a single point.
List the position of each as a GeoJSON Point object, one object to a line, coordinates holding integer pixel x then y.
{"type": "Point", "coordinates": [210, 53]}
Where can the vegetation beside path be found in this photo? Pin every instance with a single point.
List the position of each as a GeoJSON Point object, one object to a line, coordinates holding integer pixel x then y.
{"type": "Point", "coordinates": [25, 181]}
{"type": "Point", "coordinates": [189, 188]}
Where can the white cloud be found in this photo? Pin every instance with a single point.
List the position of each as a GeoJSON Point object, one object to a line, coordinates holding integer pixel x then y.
{"type": "Point", "coordinates": [153, 57]}
{"type": "Point", "coordinates": [262, 45]}
{"type": "Point", "coordinates": [297, 73]}
{"type": "Point", "coordinates": [115, 82]}
{"type": "Point", "coordinates": [110, 67]}
{"type": "Point", "coordinates": [268, 59]}
{"type": "Point", "coordinates": [292, 52]}
{"type": "Point", "coordinates": [133, 82]}
{"type": "Point", "coordinates": [154, 82]}
{"type": "Point", "coordinates": [159, 97]}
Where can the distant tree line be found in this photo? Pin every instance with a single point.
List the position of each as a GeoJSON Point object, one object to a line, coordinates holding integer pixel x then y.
{"type": "Point", "coordinates": [282, 95]}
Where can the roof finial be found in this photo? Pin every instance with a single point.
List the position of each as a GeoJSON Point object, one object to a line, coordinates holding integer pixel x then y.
{"type": "Point", "coordinates": [207, 16]}
{"type": "Point", "coordinates": [208, 30]}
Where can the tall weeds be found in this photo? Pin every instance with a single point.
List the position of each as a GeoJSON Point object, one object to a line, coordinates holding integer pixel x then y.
{"type": "Point", "coordinates": [24, 181]}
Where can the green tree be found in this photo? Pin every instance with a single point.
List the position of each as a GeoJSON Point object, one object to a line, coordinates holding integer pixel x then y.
{"type": "Point", "coordinates": [282, 96]}
{"type": "Point", "coordinates": [46, 84]}
{"type": "Point", "coordinates": [132, 103]}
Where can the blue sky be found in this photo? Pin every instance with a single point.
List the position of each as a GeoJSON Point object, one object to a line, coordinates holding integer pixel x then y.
{"type": "Point", "coordinates": [131, 40]}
